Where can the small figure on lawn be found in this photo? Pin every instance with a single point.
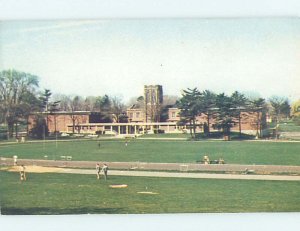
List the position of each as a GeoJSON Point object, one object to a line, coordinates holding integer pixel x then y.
{"type": "Point", "coordinates": [221, 161]}
{"type": "Point", "coordinates": [206, 160]}
{"type": "Point", "coordinates": [98, 170]}
{"type": "Point", "coordinates": [105, 169]}
{"type": "Point", "coordinates": [22, 173]}
{"type": "Point", "coordinates": [99, 145]}
{"type": "Point", "coordinates": [126, 143]}
{"type": "Point", "coordinates": [15, 160]}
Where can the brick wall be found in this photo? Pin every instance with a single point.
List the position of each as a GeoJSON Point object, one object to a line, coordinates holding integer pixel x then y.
{"type": "Point", "coordinates": [61, 121]}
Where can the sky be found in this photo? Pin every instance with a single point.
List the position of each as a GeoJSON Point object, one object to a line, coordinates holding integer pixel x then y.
{"type": "Point", "coordinates": [258, 56]}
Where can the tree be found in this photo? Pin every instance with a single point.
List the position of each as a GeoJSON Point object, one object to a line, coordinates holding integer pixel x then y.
{"type": "Point", "coordinates": [295, 112]}
{"type": "Point", "coordinates": [280, 106]}
{"type": "Point", "coordinates": [89, 103]}
{"type": "Point", "coordinates": [239, 102]}
{"type": "Point", "coordinates": [258, 106]}
{"type": "Point", "coordinates": [44, 98]}
{"type": "Point", "coordinates": [225, 113]}
{"type": "Point", "coordinates": [208, 101]}
{"type": "Point", "coordinates": [17, 96]}
{"type": "Point", "coordinates": [63, 101]}
{"type": "Point", "coordinates": [189, 104]}
{"type": "Point", "coordinates": [295, 109]}
{"type": "Point", "coordinates": [117, 108]}
{"type": "Point", "coordinates": [40, 128]}
{"type": "Point", "coordinates": [76, 104]}
{"type": "Point", "coordinates": [48, 107]}
{"type": "Point", "coordinates": [169, 100]}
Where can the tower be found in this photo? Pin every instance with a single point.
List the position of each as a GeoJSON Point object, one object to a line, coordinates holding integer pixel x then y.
{"type": "Point", "coordinates": [153, 95]}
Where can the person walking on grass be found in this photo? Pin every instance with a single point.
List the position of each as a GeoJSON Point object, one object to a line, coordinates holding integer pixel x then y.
{"type": "Point", "coordinates": [15, 160]}
{"type": "Point", "coordinates": [98, 170]}
{"type": "Point", "coordinates": [105, 169]}
{"type": "Point", "coordinates": [22, 173]}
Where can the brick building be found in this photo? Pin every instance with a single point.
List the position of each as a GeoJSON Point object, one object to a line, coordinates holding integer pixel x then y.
{"type": "Point", "coordinates": [144, 118]}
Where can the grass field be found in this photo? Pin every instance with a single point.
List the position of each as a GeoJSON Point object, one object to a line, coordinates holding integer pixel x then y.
{"type": "Point", "coordinates": [288, 126]}
{"type": "Point", "coordinates": [235, 152]}
{"type": "Point", "coordinates": [51, 193]}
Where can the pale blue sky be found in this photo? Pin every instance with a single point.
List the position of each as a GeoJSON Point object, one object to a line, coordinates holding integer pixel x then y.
{"type": "Point", "coordinates": [117, 57]}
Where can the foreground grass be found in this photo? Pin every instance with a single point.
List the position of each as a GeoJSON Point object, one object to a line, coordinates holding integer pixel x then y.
{"type": "Point", "coordinates": [235, 152]}
{"type": "Point", "coordinates": [81, 194]}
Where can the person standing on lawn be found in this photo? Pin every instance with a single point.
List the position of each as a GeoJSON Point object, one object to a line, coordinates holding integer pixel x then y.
{"type": "Point", "coordinates": [105, 169]}
{"type": "Point", "coordinates": [22, 173]}
{"type": "Point", "coordinates": [98, 170]}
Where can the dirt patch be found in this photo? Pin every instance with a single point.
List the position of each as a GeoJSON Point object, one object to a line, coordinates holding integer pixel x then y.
{"type": "Point", "coordinates": [35, 169]}
{"type": "Point", "coordinates": [148, 193]}
{"type": "Point", "coordinates": [118, 186]}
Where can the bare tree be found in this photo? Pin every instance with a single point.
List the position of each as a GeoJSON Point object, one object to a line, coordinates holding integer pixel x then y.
{"type": "Point", "coordinates": [117, 108]}
{"type": "Point", "coordinates": [17, 97]}
{"type": "Point", "coordinates": [76, 104]}
{"type": "Point", "coordinates": [89, 103]}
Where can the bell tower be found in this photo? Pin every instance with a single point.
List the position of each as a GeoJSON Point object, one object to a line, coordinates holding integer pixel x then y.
{"type": "Point", "coordinates": [153, 95]}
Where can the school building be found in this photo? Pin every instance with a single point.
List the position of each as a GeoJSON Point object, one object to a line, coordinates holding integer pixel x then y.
{"type": "Point", "coordinates": [141, 119]}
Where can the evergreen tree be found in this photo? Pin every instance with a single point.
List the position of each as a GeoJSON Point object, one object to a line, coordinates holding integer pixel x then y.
{"type": "Point", "coordinates": [258, 106]}
{"type": "Point", "coordinates": [239, 102]}
{"type": "Point", "coordinates": [225, 113]}
{"type": "Point", "coordinates": [190, 105]}
{"type": "Point", "coordinates": [208, 101]}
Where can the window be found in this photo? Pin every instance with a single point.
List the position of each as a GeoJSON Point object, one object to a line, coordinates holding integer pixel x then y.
{"type": "Point", "coordinates": [130, 115]}
{"type": "Point", "coordinates": [137, 115]}
{"type": "Point", "coordinates": [173, 114]}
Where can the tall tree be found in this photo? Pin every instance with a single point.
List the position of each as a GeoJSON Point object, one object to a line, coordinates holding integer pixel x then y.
{"type": "Point", "coordinates": [89, 103]}
{"type": "Point", "coordinates": [208, 101]}
{"type": "Point", "coordinates": [189, 104]}
{"type": "Point", "coordinates": [258, 106]}
{"type": "Point", "coordinates": [117, 109]}
{"type": "Point", "coordinates": [295, 108]}
{"type": "Point", "coordinates": [280, 106]}
{"type": "Point", "coordinates": [225, 113]}
{"type": "Point", "coordinates": [76, 104]}
{"type": "Point", "coordinates": [295, 112]}
{"type": "Point", "coordinates": [16, 94]}
{"type": "Point", "coordinates": [103, 105]}
{"type": "Point", "coordinates": [48, 107]}
{"type": "Point", "coordinates": [45, 100]}
{"type": "Point", "coordinates": [63, 101]}
{"type": "Point", "coordinates": [239, 102]}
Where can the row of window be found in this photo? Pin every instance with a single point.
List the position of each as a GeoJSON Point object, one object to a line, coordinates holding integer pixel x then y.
{"type": "Point", "coordinates": [137, 115]}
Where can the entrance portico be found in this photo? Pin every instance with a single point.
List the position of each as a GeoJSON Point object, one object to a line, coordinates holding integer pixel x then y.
{"type": "Point", "coordinates": [126, 128]}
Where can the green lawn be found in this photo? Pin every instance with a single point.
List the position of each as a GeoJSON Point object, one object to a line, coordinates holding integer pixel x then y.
{"type": "Point", "coordinates": [235, 152]}
{"type": "Point", "coordinates": [80, 194]}
{"type": "Point", "coordinates": [289, 127]}
{"type": "Point", "coordinates": [286, 126]}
